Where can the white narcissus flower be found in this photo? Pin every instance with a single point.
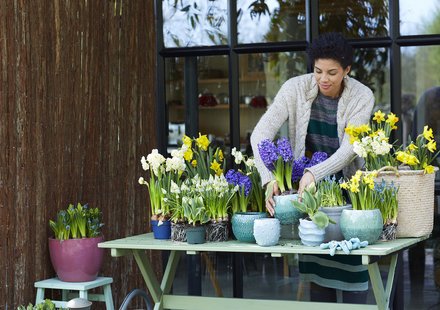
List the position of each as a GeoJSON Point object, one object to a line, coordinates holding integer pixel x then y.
{"type": "Point", "coordinates": [237, 155]}
{"type": "Point", "coordinates": [175, 164]}
{"type": "Point", "coordinates": [359, 149]}
{"type": "Point", "coordinates": [250, 162]}
{"type": "Point", "coordinates": [144, 163]}
{"type": "Point", "coordinates": [179, 152]}
{"type": "Point", "coordinates": [142, 181]}
{"type": "Point", "coordinates": [174, 188]}
{"type": "Point", "coordinates": [155, 160]}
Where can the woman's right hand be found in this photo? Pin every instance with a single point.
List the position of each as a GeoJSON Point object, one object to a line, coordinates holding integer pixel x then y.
{"type": "Point", "coordinates": [270, 202]}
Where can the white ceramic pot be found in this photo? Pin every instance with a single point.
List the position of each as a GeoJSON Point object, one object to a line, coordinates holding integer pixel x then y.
{"type": "Point", "coordinates": [309, 233]}
{"type": "Point", "coordinates": [267, 231]}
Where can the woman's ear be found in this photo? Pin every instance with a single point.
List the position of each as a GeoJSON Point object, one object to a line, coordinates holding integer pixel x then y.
{"type": "Point", "coordinates": [347, 70]}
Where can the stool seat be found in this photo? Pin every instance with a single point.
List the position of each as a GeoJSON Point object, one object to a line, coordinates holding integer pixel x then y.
{"type": "Point", "coordinates": [81, 287]}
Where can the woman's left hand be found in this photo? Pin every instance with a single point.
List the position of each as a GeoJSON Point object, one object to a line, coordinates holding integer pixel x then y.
{"type": "Point", "coordinates": [306, 180]}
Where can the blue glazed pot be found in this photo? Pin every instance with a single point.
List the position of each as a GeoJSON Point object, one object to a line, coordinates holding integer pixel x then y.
{"type": "Point", "coordinates": [195, 234]}
{"type": "Point", "coordinates": [243, 225]}
{"type": "Point", "coordinates": [363, 224]}
{"type": "Point", "coordinates": [162, 231]}
{"type": "Point", "coordinates": [285, 211]}
{"type": "Point", "coordinates": [267, 231]}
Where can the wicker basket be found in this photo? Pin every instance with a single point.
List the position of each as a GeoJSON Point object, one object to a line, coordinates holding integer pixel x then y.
{"type": "Point", "coordinates": [415, 200]}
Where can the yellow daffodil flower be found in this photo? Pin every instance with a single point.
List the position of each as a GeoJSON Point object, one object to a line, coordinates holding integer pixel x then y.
{"type": "Point", "coordinates": [432, 146]}
{"type": "Point", "coordinates": [220, 155]}
{"type": "Point", "coordinates": [344, 185]}
{"type": "Point", "coordinates": [379, 117]}
{"type": "Point", "coordinates": [428, 168]}
{"type": "Point", "coordinates": [202, 142]}
{"type": "Point", "coordinates": [215, 166]}
{"type": "Point", "coordinates": [392, 119]}
{"type": "Point", "coordinates": [188, 155]}
{"type": "Point", "coordinates": [187, 141]}
{"type": "Point", "coordinates": [194, 163]}
{"type": "Point", "coordinates": [365, 128]}
{"type": "Point", "coordinates": [427, 133]}
{"type": "Point", "coordinates": [412, 147]}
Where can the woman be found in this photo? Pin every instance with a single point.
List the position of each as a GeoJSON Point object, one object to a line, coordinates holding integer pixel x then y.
{"type": "Point", "coordinates": [317, 108]}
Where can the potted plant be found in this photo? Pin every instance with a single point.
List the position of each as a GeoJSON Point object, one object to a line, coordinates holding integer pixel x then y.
{"type": "Point", "coordinates": [364, 221]}
{"type": "Point", "coordinates": [311, 228]}
{"type": "Point", "coordinates": [278, 158]}
{"type": "Point", "coordinates": [332, 203]}
{"type": "Point", "coordinates": [74, 250]}
{"type": "Point", "coordinates": [47, 304]}
{"type": "Point", "coordinates": [388, 206]}
{"type": "Point", "coordinates": [196, 216]}
{"type": "Point", "coordinates": [174, 199]}
{"type": "Point", "coordinates": [162, 172]}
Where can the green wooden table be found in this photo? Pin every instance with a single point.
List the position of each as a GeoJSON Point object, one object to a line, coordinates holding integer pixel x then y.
{"type": "Point", "coordinates": [160, 292]}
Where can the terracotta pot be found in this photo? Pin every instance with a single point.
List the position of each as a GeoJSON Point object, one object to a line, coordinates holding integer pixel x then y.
{"type": "Point", "coordinates": [76, 260]}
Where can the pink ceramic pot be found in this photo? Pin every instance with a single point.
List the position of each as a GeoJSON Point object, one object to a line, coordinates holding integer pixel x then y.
{"type": "Point", "coordinates": [76, 260]}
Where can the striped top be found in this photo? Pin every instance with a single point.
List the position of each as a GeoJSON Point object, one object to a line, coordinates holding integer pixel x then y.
{"type": "Point", "coordinates": [339, 272]}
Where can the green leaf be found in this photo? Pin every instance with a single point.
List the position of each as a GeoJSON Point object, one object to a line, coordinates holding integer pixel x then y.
{"type": "Point", "coordinates": [320, 219]}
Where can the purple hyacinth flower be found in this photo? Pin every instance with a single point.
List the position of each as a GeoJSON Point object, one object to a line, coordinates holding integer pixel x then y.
{"type": "Point", "coordinates": [298, 168]}
{"type": "Point", "coordinates": [268, 153]}
{"type": "Point", "coordinates": [317, 158]}
{"type": "Point", "coordinates": [246, 183]}
{"type": "Point", "coordinates": [284, 149]}
{"type": "Point", "coordinates": [237, 178]}
{"type": "Point", "coordinates": [232, 177]}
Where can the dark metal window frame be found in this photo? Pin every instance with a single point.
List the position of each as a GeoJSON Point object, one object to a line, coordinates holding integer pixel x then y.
{"type": "Point", "coordinates": [393, 42]}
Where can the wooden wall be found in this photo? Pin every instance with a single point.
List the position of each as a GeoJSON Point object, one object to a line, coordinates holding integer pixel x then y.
{"type": "Point", "coordinates": [77, 110]}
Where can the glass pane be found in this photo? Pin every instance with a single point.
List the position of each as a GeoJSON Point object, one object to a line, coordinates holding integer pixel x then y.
{"type": "Point", "coordinates": [194, 22]}
{"type": "Point", "coordinates": [354, 18]}
{"type": "Point", "coordinates": [371, 67]}
{"type": "Point", "coordinates": [271, 21]}
{"type": "Point", "coordinates": [174, 101]}
{"type": "Point", "coordinates": [214, 98]}
{"type": "Point", "coordinates": [421, 90]}
{"type": "Point", "coordinates": [261, 76]}
{"type": "Point", "coordinates": [419, 17]}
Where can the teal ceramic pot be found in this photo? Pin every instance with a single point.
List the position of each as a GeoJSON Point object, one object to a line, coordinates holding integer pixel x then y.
{"type": "Point", "coordinates": [243, 225]}
{"type": "Point", "coordinates": [267, 231]}
{"type": "Point", "coordinates": [309, 233]}
{"type": "Point", "coordinates": [285, 211]}
{"type": "Point", "coordinates": [333, 231]}
{"type": "Point", "coordinates": [363, 224]}
{"type": "Point", "coordinates": [195, 234]}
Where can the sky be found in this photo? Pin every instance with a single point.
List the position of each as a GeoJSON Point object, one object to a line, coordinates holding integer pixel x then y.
{"type": "Point", "coordinates": [413, 14]}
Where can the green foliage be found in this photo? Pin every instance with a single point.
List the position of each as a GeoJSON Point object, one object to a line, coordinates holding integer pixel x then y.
{"type": "Point", "coordinates": [77, 222]}
{"type": "Point", "coordinates": [310, 203]}
{"type": "Point", "coordinates": [194, 210]}
{"type": "Point", "coordinates": [46, 305]}
{"type": "Point", "coordinates": [330, 192]}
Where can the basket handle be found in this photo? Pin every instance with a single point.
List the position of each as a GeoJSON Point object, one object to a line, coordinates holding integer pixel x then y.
{"type": "Point", "coordinates": [389, 168]}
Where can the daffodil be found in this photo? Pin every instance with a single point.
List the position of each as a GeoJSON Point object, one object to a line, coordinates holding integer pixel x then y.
{"type": "Point", "coordinates": [428, 168]}
{"type": "Point", "coordinates": [187, 141]}
{"type": "Point", "coordinates": [216, 167]}
{"type": "Point", "coordinates": [379, 117]}
{"type": "Point", "coordinates": [431, 146]}
{"type": "Point", "coordinates": [412, 147]}
{"type": "Point", "coordinates": [392, 119]}
{"type": "Point", "coordinates": [202, 142]}
{"type": "Point", "coordinates": [427, 133]}
{"type": "Point", "coordinates": [194, 163]}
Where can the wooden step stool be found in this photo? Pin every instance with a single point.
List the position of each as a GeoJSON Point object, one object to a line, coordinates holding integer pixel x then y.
{"type": "Point", "coordinates": [81, 287]}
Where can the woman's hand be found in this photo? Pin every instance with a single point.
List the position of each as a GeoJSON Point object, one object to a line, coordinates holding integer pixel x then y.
{"type": "Point", "coordinates": [306, 180]}
{"type": "Point", "coordinates": [270, 203]}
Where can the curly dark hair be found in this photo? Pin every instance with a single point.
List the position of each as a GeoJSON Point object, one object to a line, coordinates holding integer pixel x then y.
{"type": "Point", "coordinates": [331, 45]}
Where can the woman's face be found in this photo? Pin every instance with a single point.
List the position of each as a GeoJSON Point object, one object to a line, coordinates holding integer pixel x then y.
{"type": "Point", "coordinates": [329, 75]}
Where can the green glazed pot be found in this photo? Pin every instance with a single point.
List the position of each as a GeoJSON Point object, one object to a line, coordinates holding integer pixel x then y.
{"type": "Point", "coordinates": [363, 224]}
{"type": "Point", "coordinates": [285, 211]}
{"type": "Point", "coordinates": [243, 225]}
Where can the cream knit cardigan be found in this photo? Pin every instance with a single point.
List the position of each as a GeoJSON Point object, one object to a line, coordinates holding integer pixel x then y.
{"type": "Point", "coordinates": [293, 104]}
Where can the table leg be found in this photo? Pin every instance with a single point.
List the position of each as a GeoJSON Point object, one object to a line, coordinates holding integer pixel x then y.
{"type": "Point", "coordinates": [381, 294]}
{"type": "Point", "coordinates": [149, 275]}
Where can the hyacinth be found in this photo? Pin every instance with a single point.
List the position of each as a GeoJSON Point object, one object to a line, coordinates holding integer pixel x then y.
{"type": "Point", "coordinates": [236, 178]}
{"type": "Point", "coordinates": [284, 149]}
{"type": "Point", "coordinates": [268, 153]}
{"type": "Point", "coordinates": [298, 168]}
{"type": "Point", "coordinates": [317, 158]}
